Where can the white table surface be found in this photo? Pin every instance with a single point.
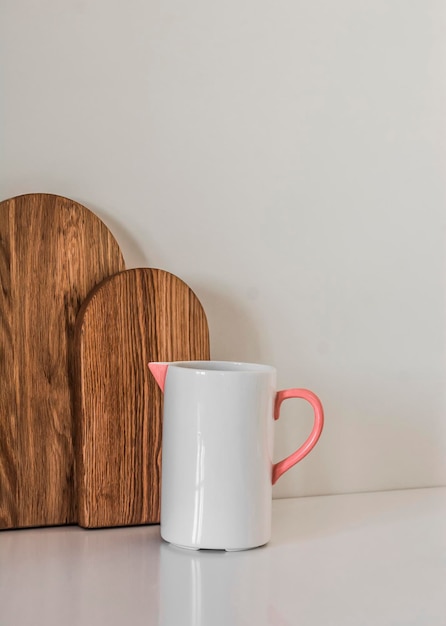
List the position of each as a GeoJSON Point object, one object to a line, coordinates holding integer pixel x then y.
{"type": "Point", "coordinates": [364, 559]}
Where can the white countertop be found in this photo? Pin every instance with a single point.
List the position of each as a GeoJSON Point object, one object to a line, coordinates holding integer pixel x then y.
{"type": "Point", "coordinates": [373, 559]}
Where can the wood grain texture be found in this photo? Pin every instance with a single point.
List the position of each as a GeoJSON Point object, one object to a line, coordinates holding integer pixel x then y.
{"type": "Point", "coordinates": [53, 251]}
{"type": "Point", "coordinates": [134, 317]}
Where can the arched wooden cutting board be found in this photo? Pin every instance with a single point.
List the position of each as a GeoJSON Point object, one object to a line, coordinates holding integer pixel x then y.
{"type": "Point", "coordinates": [53, 251]}
{"type": "Point", "coordinates": [132, 318]}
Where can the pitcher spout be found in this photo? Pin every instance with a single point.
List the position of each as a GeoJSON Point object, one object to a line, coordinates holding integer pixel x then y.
{"type": "Point", "coordinates": [159, 371]}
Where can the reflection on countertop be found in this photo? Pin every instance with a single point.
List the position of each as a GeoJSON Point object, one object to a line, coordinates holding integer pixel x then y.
{"type": "Point", "coordinates": [366, 559]}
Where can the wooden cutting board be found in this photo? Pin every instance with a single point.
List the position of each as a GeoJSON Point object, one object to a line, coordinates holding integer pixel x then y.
{"type": "Point", "coordinates": [132, 318]}
{"type": "Point", "coordinates": [53, 251]}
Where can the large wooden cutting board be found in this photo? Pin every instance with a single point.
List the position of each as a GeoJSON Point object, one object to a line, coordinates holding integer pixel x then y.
{"type": "Point", "coordinates": [53, 251]}
{"type": "Point", "coordinates": [132, 318]}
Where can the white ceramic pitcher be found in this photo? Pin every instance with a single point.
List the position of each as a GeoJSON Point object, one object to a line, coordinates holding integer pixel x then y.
{"type": "Point", "coordinates": [217, 468]}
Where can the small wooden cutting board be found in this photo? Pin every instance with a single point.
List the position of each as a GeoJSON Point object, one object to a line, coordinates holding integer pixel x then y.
{"type": "Point", "coordinates": [53, 251]}
{"type": "Point", "coordinates": [132, 318]}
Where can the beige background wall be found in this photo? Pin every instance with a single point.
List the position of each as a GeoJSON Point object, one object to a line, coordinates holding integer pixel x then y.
{"type": "Point", "coordinates": [287, 160]}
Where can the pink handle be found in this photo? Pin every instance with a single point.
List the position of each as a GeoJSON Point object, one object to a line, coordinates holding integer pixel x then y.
{"type": "Point", "coordinates": [282, 466]}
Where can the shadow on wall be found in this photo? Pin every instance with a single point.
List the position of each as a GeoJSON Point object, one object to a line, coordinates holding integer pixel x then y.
{"type": "Point", "coordinates": [236, 336]}
{"type": "Point", "coordinates": [233, 333]}
{"type": "Point", "coordinates": [372, 440]}
{"type": "Point", "coordinates": [134, 255]}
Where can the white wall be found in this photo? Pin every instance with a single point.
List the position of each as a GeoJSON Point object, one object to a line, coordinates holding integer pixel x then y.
{"type": "Point", "coordinates": [286, 159]}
